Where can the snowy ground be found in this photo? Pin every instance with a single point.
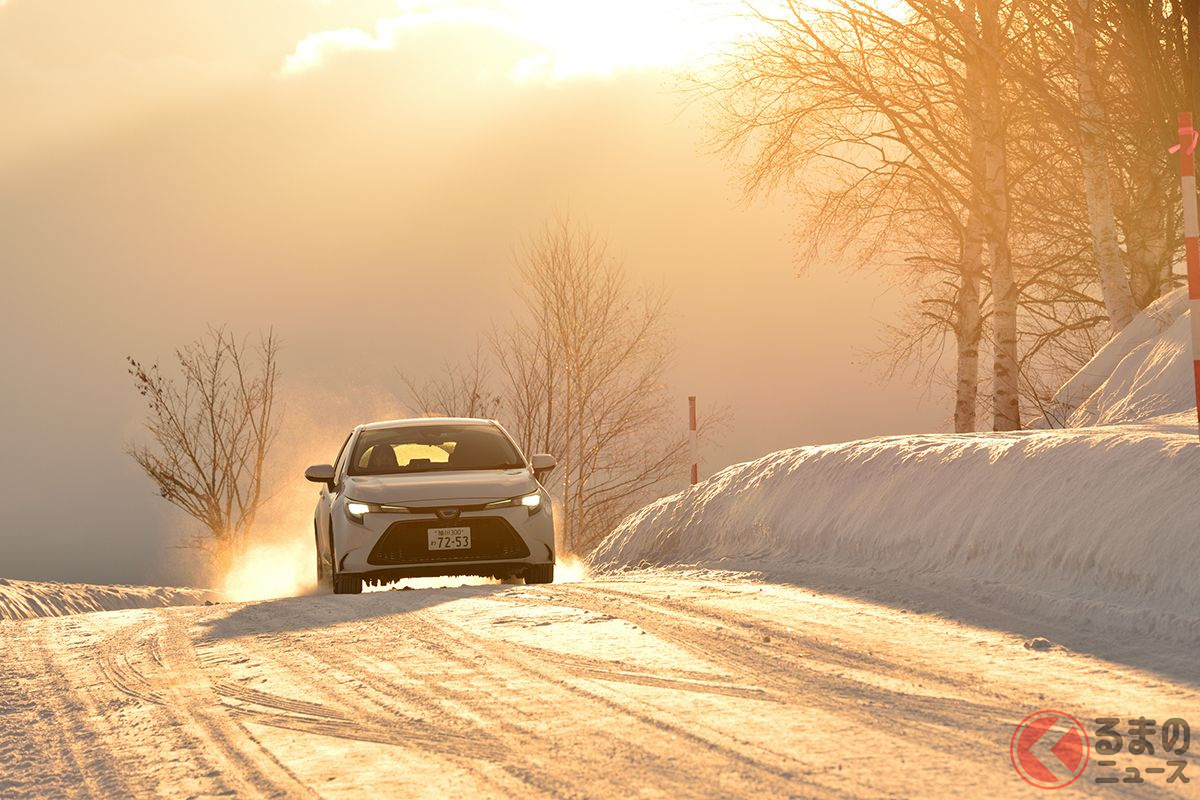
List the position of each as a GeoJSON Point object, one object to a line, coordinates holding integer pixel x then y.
{"type": "Point", "coordinates": [28, 599]}
{"type": "Point", "coordinates": [871, 636]}
{"type": "Point", "coordinates": [651, 684]}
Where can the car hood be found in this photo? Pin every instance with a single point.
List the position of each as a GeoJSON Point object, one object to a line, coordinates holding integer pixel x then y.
{"type": "Point", "coordinates": [433, 488]}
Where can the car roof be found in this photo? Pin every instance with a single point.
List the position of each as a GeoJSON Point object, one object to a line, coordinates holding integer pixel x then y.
{"type": "Point", "coordinates": [413, 421]}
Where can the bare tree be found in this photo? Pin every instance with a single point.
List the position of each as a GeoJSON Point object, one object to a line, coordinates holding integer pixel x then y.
{"type": "Point", "coordinates": [1152, 49]}
{"type": "Point", "coordinates": [911, 106]}
{"type": "Point", "coordinates": [966, 148]}
{"type": "Point", "coordinates": [461, 391]}
{"type": "Point", "coordinates": [210, 429]}
{"type": "Point", "coordinates": [609, 346]}
{"type": "Point", "coordinates": [1105, 77]}
{"type": "Point", "coordinates": [580, 376]}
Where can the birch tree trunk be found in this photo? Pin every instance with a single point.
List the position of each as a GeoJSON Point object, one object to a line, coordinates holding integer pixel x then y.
{"type": "Point", "coordinates": [967, 328]}
{"type": "Point", "coordinates": [1006, 396]}
{"type": "Point", "coordinates": [1110, 267]}
{"type": "Point", "coordinates": [1147, 229]}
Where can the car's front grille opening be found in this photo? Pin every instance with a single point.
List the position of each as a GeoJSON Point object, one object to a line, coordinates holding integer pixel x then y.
{"type": "Point", "coordinates": [407, 542]}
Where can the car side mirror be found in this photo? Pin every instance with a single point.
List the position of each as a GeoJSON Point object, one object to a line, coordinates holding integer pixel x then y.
{"type": "Point", "coordinates": [543, 465]}
{"type": "Point", "coordinates": [320, 473]}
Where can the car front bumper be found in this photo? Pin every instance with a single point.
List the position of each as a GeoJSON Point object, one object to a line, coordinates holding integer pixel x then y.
{"type": "Point", "coordinates": [390, 546]}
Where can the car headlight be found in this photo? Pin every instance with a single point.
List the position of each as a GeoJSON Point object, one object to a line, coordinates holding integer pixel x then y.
{"type": "Point", "coordinates": [355, 510]}
{"type": "Point", "coordinates": [531, 502]}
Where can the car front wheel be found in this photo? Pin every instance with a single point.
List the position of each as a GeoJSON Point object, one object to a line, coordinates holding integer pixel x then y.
{"type": "Point", "coordinates": [322, 578]}
{"type": "Point", "coordinates": [347, 584]}
{"type": "Point", "coordinates": [539, 573]}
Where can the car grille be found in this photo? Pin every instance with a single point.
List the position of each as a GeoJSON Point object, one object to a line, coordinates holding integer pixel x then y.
{"type": "Point", "coordinates": [492, 539]}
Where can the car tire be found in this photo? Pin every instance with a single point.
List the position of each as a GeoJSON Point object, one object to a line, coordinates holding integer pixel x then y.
{"type": "Point", "coordinates": [321, 577]}
{"type": "Point", "coordinates": [539, 573]}
{"type": "Point", "coordinates": [347, 584]}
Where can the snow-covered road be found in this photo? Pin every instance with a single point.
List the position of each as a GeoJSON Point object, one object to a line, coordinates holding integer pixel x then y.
{"type": "Point", "coordinates": [653, 684]}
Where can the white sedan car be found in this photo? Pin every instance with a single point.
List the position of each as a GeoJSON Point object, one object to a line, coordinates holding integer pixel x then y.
{"type": "Point", "coordinates": [426, 497]}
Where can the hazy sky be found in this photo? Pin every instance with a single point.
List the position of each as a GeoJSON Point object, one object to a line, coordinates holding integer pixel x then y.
{"type": "Point", "coordinates": [357, 173]}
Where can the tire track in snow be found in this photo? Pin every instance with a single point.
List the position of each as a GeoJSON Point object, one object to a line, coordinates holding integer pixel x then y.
{"type": "Point", "coordinates": [813, 649]}
{"type": "Point", "coordinates": [696, 777]}
{"type": "Point", "coordinates": [189, 705]}
{"type": "Point", "coordinates": [681, 680]}
{"type": "Point", "coordinates": [345, 712]}
{"type": "Point", "coordinates": [273, 702]}
{"type": "Point", "coordinates": [75, 711]}
{"type": "Point", "coordinates": [366, 692]}
{"type": "Point", "coordinates": [118, 658]}
{"type": "Point", "coordinates": [509, 722]}
{"type": "Point", "coordinates": [581, 769]}
{"type": "Point", "coordinates": [791, 673]}
{"type": "Point", "coordinates": [618, 671]}
{"type": "Point", "coordinates": [44, 751]}
{"type": "Point", "coordinates": [115, 657]}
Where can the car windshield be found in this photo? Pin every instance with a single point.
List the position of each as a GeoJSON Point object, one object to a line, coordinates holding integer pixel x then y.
{"type": "Point", "coordinates": [432, 448]}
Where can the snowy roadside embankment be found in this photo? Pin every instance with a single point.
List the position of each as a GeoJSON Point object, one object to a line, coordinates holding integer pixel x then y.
{"type": "Point", "coordinates": [1097, 524]}
{"type": "Point", "coordinates": [28, 599]}
{"type": "Point", "coordinates": [1102, 516]}
{"type": "Point", "coordinates": [1144, 371]}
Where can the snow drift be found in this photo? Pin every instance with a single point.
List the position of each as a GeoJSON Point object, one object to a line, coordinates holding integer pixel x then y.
{"type": "Point", "coordinates": [1143, 372]}
{"type": "Point", "coordinates": [1096, 522]}
{"type": "Point", "coordinates": [27, 599]}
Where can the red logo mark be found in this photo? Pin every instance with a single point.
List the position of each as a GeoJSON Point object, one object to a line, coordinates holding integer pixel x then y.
{"type": "Point", "coordinates": [1031, 752]}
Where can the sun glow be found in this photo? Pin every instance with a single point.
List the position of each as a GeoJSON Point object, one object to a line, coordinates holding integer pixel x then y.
{"type": "Point", "coordinates": [563, 39]}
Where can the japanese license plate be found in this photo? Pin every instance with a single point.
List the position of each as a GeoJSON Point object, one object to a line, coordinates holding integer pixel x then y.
{"type": "Point", "coordinates": [449, 538]}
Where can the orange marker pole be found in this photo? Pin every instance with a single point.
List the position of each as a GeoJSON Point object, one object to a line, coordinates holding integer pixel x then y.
{"type": "Point", "coordinates": [694, 440]}
{"type": "Point", "coordinates": [1191, 234]}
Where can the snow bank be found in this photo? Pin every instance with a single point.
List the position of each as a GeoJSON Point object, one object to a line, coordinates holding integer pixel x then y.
{"type": "Point", "coordinates": [1096, 524]}
{"type": "Point", "coordinates": [27, 599]}
{"type": "Point", "coordinates": [1144, 371]}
